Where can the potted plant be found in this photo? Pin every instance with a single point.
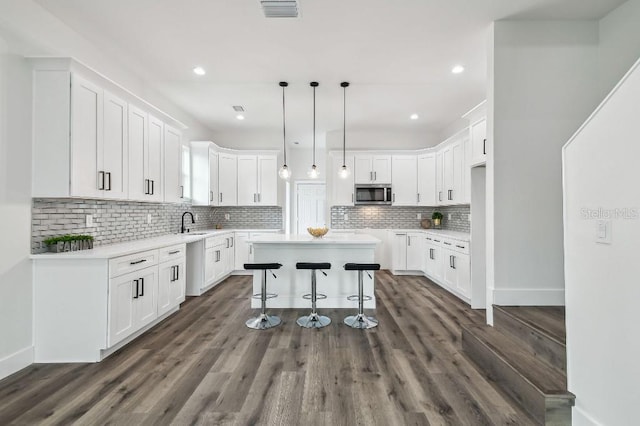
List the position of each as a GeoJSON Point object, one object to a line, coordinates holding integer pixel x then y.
{"type": "Point", "coordinates": [69, 243]}
{"type": "Point", "coordinates": [437, 218]}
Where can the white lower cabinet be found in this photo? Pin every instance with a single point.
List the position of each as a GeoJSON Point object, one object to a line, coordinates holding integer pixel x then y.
{"type": "Point", "coordinates": [434, 264]}
{"type": "Point", "coordinates": [457, 272]}
{"type": "Point", "coordinates": [85, 308]}
{"type": "Point", "coordinates": [407, 251]}
{"type": "Point", "coordinates": [242, 250]}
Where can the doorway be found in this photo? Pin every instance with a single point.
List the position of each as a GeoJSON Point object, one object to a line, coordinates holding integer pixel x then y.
{"type": "Point", "coordinates": [310, 206]}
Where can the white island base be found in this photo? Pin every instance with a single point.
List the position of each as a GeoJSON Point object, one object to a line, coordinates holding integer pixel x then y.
{"type": "Point", "coordinates": [291, 284]}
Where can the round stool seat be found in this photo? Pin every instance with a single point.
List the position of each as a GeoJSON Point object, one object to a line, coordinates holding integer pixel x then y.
{"type": "Point", "coordinates": [312, 265]}
{"type": "Point", "coordinates": [362, 267]}
{"type": "Point", "coordinates": [260, 266]}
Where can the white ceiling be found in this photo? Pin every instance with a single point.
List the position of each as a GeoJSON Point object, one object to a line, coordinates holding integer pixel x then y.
{"type": "Point", "coordinates": [397, 55]}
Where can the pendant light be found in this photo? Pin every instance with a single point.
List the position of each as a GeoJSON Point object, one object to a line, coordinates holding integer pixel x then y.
{"type": "Point", "coordinates": [313, 173]}
{"type": "Point", "coordinates": [284, 171]}
{"type": "Point", "coordinates": [344, 172]}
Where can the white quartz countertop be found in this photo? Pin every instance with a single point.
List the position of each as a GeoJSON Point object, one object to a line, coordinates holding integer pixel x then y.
{"type": "Point", "coordinates": [457, 235]}
{"type": "Point", "coordinates": [129, 247]}
{"type": "Point", "coordinates": [334, 239]}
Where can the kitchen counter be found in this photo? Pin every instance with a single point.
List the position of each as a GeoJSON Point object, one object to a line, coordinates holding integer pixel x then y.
{"type": "Point", "coordinates": [463, 236]}
{"type": "Point", "coordinates": [136, 246]}
{"type": "Point", "coordinates": [291, 284]}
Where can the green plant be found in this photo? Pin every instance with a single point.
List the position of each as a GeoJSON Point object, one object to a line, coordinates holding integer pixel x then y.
{"type": "Point", "coordinates": [67, 238]}
{"type": "Point", "coordinates": [436, 215]}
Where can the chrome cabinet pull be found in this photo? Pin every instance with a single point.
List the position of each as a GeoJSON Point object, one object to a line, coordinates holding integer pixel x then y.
{"type": "Point", "coordinates": [394, 197]}
{"type": "Point", "coordinates": [221, 197]}
{"type": "Point", "coordinates": [108, 174]}
{"type": "Point", "coordinates": [181, 191]}
{"type": "Point", "coordinates": [138, 261]}
{"type": "Point", "coordinates": [210, 196]}
{"type": "Point", "coordinates": [153, 187]}
{"type": "Point", "coordinates": [101, 181]}
{"type": "Point", "coordinates": [146, 186]}
{"type": "Point", "coordinates": [484, 146]}
{"type": "Point", "coordinates": [141, 287]}
{"type": "Point", "coordinates": [136, 293]}
{"type": "Point", "coordinates": [174, 252]}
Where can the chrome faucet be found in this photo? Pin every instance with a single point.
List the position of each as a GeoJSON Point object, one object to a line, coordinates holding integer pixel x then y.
{"type": "Point", "coordinates": [182, 228]}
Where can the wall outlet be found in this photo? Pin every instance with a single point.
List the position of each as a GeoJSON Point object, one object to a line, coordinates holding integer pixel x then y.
{"type": "Point", "coordinates": [345, 217]}
{"type": "Point", "coordinates": [196, 216]}
{"type": "Point", "coordinates": [226, 216]}
{"type": "Point", "coordinates": [89, 220]}
{"type": "Point", "coordinates": [149, 218]}
{"type": "Point", "coordinates": [419, 216]}
{"type": "Point", "coordinates": [449, 216]}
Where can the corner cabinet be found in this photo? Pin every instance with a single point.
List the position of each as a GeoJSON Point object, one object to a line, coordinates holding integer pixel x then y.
{"type": "Point", "coordinates": [127, 295]}
{"type": "Point", "coordinates": [404, 175]}
{"type": "Point", "coordinates": [427, 179]}
{"type": "Point", "coordinates": [227, 179]}
{"type": "Point", "coordinates": [92, 138]}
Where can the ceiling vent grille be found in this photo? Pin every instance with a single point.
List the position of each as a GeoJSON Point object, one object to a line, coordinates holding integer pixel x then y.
{"type": "Point", "coordinates": [280, 8]}
{"type": "Point", "coordinates": [238, 108]}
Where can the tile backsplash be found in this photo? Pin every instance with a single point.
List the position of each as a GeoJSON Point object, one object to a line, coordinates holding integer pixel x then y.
{"type": "Point", "coordinates": [392, 217]}
{"type": "Point", "coordinates": [118, 221]}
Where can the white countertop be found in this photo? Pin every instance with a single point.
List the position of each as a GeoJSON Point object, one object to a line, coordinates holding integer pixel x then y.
{"type": "Point", "coordinates": [457, 235]}
{"type": "Point", "coordinates": [335, 239]}
{"type": "Point", "coordinates": [130, 247]}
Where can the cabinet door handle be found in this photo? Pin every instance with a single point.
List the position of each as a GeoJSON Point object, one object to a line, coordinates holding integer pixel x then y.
{"type": "Point", "coordinates": [136, 293]}
{"type": "Point", "coordinates": [231, 241]}
{"type": "Point", "coordinates": [174, 252]}
{"type": "Point", "coordinates": [449, 194]}
{"type": "Point", "coordinates": [250, 248]}
{"type": "Point", "coordinates": [484, 146]}
{"type": "Point", "coordinates": [101, 181]}
{"type": "Point", "coordinates": [153, 187]}
{"type": "Point", "coordinates": [418, 197]}
{"type": "Point", "coordinates": [453, 262]}
{"type": "Point", "coordinates": [431, 253]}
{"type": "Point", "coordinates": [447, 244]}
{"type": "Point", "coordinates": [459, 246]}
{"type": "Point", "coordinates": [437, 241]}
{"type": "Point", "coordinates": [141, 287]}
{"type": "Point", "coordinates": [173, 274]}
{"type": "Point", "coordinates": [210, 196]}
{"type": "Point", "coordinates": [146, 186]}
{"type": "Point", "coordinates": [394, 197]}
{"type": "Point", "coordinates": [375, 176]}
{"type": "Point", "coordinates": [177, 272]}
{"type": "Point", "coordinates": [181, 191]}
{"type": "Point", "coordinates": [352, 197]}
{"type": "Point", "coordinates": [228, 243]}
{"type": "Point", "coordinates": [439, 195]}
{"type": "Point", "coordinates": [259, 197]}
{"type": "Point", "coordinates": [138, 261]}
{"type": "Point", "coordinates": [108, 180]}
{"type": "Point", "coordinates": [255, 198]}
{"type": "Point", "coordinates": [221, 197]}
{"type": "Point", "coordinates": [217, 255]}
{"type": "Point", "coordinates": [409, 240]}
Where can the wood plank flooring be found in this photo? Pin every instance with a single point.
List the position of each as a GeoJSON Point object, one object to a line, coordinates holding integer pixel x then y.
{"type": "Point", "coordinates": [203, 366]}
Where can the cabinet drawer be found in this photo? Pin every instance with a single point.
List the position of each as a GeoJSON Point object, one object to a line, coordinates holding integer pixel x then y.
{"type": "Point", "coordinates": [133, 262]}
{"type": "Point", "coordinates": [456, 245]}
{"type": "Point", "coordinates": [434, 239]}
{"type": "Point", "coordinates": [219, 240]}
{"type": "Point", "coordinates": [173, 252]}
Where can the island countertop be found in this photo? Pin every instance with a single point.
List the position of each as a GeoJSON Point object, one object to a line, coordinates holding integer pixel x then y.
{"type": "Point", "coordinates": [335, 239]}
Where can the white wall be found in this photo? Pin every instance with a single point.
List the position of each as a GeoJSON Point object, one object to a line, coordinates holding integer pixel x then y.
{"type": "Point", "coordinates": [544, 86]}
{"type": "Point", "coordinates": [381, 140]}
{"type": "Point", "coordinates": [601, 172]}
{"type": "Point", "coordinates": [16, 338]}
{"type": "Point", "coordinates": [619, 44]}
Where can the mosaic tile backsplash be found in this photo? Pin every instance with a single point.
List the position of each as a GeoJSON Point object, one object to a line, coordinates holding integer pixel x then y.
{"type": "Point", "coordinates": [118, 221]}
{"type": "Point", "coordinates": [390, 217]}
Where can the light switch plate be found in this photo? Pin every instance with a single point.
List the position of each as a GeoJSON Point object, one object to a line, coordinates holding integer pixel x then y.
{"type": "Point", "coordinates": [196, 217]}
{"type": "Point", "coordinates": [603, 231]}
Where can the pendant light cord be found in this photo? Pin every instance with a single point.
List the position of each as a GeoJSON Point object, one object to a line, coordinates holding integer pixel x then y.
{"type": "Point", "coordinates": [314, 125]}
{"type": "Point", "coordinates": [284, 128]}
{"type": "Point", "coordinates": [344, 123]}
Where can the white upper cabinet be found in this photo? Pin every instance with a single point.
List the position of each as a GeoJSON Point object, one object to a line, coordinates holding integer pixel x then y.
{"type": "Point", "coordinates": [372, 169]}
{"type": "Point", "coordinates": [466, 169]}
{"type": "Point", "coordinates": [113, 155]}
{"type": "Point", "coordinates": [204, 174]}
{"type": "Point", "coordinates": [342, 188]}
{"type": "Point", "coordinates": [405, 180]}
{"type": "Point", "coordinates": [257, 180]}
{"type": "Point", "coordinates": [452, 172]}
{"type": "Point", "coordinates": [89, 140]}
{"type": "Point", "coordinates": [227, 179]}
{"type": "Point", "coordinates": [440, 197]}
{"type": "Point", "coordinates": [478, 134]}
{"type": "Point", "coordinates": [176, 189]}
{"type": "Point", "coordinates": [211, 198]}
{"type": "Point", "coordinates": [267, 180]}
{"type": "Point", "coordinates": [427, 179]}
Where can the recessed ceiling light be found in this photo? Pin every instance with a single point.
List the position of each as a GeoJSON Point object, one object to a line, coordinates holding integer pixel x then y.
{"type": "Point", "coordinates": [199, 71]}
{"type": "Point", "coordinates": [240, 117]}
{"type": "Point", "coordinates": [457, 69]}
{"type": "Point", "coordinates": [414, 116]}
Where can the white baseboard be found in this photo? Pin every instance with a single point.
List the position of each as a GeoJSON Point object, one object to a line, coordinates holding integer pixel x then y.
{"type": "Point", "coordinates": [528, 297]}
{"type": "Point", "coordinates": [579, 417]}
{"type": "Point", "coordinates": [16, 362]}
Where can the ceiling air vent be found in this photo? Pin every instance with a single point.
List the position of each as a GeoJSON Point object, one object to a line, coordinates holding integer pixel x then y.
{"type": "Point", "coordinates": [238, 108]}
{"type": "Point", "coordinates": [280, 8]}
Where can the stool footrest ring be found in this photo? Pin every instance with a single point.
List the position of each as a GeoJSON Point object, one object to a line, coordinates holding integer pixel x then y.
{"type": "Point", "coordinates": [268, 296]}
{"type": "Point", "coordinates": [318, 296]}
{"type": "Point", "coordinates": [355, 297]}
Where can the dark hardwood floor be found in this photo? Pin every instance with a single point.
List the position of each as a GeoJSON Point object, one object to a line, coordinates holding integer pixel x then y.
{"type": "Point", "coordinates": [203, 366]}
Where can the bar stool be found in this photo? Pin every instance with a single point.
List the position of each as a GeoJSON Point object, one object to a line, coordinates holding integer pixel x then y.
{"type": "Point", "coordinates": [361, 321]}
{"type": "Point", "coordinates": [263, 321]}
{"type": "Point", "coordinates": [313, 320]}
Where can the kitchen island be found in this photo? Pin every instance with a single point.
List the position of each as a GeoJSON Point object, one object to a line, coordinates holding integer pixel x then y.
{"type": "Point", "coordinates": [291, 284]}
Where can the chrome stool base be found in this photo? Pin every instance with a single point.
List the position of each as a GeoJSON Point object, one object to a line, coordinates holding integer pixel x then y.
{"type": "Point", "coordinates": [361, 321]}
{"type": "Point", "coordinates": [263, 322]}
{"type": "Point", "coordinates": [313, 321]}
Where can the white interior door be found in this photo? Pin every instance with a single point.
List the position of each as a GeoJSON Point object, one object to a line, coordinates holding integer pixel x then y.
{"type": "Point", "coordinates": [310, 209]}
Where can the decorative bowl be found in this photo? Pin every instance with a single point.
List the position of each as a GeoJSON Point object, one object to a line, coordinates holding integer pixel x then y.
{"type": "Point", "coordinates": [318, 232]}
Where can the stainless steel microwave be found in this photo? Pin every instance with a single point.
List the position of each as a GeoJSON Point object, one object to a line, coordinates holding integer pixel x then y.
{"type": "Point", "coordinates": [373, 194]}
